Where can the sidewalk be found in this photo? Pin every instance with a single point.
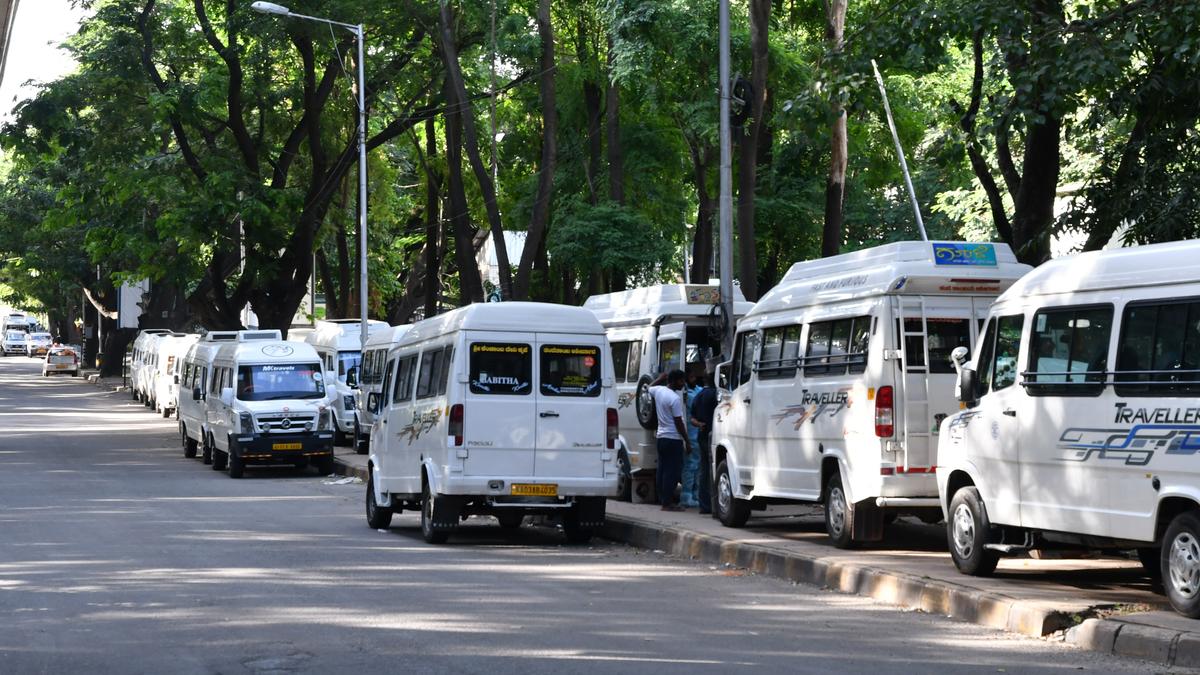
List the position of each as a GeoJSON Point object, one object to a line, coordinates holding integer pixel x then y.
{"type": "Point", "coordinates": [1102, 604]}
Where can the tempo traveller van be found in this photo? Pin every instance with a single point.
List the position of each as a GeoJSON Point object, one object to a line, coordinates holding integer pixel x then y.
{"type": "Point", "coordinates": [194, 383]}
{"type": "Point", "coordinates": [168, 364]}
{"type": "Point", "coordinates": [266, 404]}
{"type": "Point", "coordinates": [142, 355]}
{"type": "Point", "coordinates": [1082, 426]}
{"type": "Point", "coordinates": [839, 378]}
{"type": "Point", "coordinates": [368, 382]}
{"type": "Point", "coordinates": [653, 330]}
{"type": "Point", "coordinates": [339, 343]}
{"type": "Point", "coordinates": [503, 409]}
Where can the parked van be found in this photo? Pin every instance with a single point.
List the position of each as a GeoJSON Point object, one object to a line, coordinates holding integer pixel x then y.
{"type": "Point", "coordinates": [14, 342]}
{"type": "Point", "coordinates": [653, 330]}
{"type": "Point", "coordinates": [339, 342]}
{"type": "Point", "coordinates": [502, 409]}
{"type": "Point", "coordinates": [839, 378]}
{"type": "Point", "coordinates": [266, 404]}
{"type": "Point", "coordinates": [195, 382]}
{"type": "Point", "coordinates": [143, 355]}
{"type": "Point", "coordinates": [1082, 424]}
{"type": "Point", "coordinates": [164, 377]}
{"type": "Point", "coordinates": [367, 382]}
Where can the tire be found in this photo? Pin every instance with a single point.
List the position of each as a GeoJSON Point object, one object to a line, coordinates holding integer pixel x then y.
{"type": "Point", "coordinates": [967, 531]}
{"type": "Point", "coordinates": [433, 527]}
{"type": "Point", "coordinates": [219, 459]}
{"type": "Point", "coordinates": [573, 532]}
{"type": "Point", "coordinates": [839, 513]}
{"type": "Point", "coordinates": [1181, 564]}
{"type": "Point", "coordinates": [731, 511]}
{"type": "Point", "coordinates": [643, 404]}
{"type": "Point", "coordinates": [206, 453]}
{"type": "Point", "coordinates": [510, 520]}
{"type": "Point", "coordinates": [189, 446]}
{"type": "Point", "coordinates": [166, 413]}
{"type": "Point", "coordinates": [1151, 559]}
{"type": "Point", "coordinates": [324, 465]}
{"type": "Point", "coordinates": [378, 517]}
{"type": "Point", "coordinates": [340, 438]}
{"type": "Point", "coordinates": [235, 464]}
{"type": "Point", "coordinates": [360, 442]}
{"type": "Point", "coordinates": [624, 478]}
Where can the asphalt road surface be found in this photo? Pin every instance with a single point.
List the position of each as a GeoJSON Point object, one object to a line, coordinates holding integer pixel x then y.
{"type": "Point", "coordinates": [117, 555]}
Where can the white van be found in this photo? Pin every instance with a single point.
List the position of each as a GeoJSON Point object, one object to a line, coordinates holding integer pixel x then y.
{"type": "Point", "coordinates": [1083, 425]}
{"type": "Point", "coordinates": [143, 355]}
{"type": "Point", "coordinates": [164, 377]}
{"type": "Point", "coordinates": [839, 378]}
{"type": "Point", "coordinates": [194, 384]}
{"type": "Point", "coordinates": [367, 382]}
{"type": "Point", "coordinates": [502, 409]}
{"type": "Point", "coordinates": [653, 330]}
{"type": "Point", "coordinates": [266, 404]}
{"type": "Point", "coordinates": [339, 343]}
{"type": "Point", "coordinates": [14, 342]}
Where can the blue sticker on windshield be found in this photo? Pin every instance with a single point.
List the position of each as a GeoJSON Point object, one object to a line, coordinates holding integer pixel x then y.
{"type": "Point", "coordinates": [975, 255]}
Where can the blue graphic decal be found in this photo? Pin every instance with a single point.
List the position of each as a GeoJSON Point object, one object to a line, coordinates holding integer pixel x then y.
{"type": "Point", "coordinates": [1133, 447]}
{"type": "Point", "coordinates": [957, 253]}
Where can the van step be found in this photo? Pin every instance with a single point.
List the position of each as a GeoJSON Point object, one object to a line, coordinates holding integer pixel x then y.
{"type": "Point", "coordinates": [1007, 548]}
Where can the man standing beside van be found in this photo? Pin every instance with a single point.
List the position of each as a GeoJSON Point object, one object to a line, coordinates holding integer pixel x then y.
{"type": "Point", "coordinates": [672, 437]}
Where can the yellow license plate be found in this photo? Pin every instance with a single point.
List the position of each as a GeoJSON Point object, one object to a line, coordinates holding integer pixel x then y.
{"type": "Point", "coordinates": [286, 446]}
{"type": "Point", "coordinates": [535, 489]}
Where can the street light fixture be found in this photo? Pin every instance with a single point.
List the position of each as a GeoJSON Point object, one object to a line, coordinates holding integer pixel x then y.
{"type": "Point", "coordinates": [357, 29]}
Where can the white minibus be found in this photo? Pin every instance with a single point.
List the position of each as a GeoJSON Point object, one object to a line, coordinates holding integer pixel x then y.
{"type": "Point", "coordinates": [367, 382]}
{"type": "Point", "coordinates": [653, 330]}
{"type": "Point", "coordinates": [165, 375]}
{"type": "Point", "coordinates": [143, 355]}
{"type": "Point", "coordinates": [503, 409]}
{"type": "Point", "coordinates": [1082, 425]}
{"type": "Point", "coordinates": [266, 404]}
{"type": "Point", "coordinates": [839, 378]}
{"type": "Point", "coordinates": [194, 383]}
{"type": "Point", "coordinates": [339, 343]}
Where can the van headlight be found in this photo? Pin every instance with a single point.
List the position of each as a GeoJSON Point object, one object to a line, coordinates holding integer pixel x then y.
{"type": "Point", "coordinates": [247, 423]}
{"type": "Point", "coordinates": [324, 420]}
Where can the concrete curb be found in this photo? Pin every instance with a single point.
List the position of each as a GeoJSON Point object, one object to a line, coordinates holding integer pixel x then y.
{"type": "Point", "coordinates": [993, 610]}
{"type": "Point", "coordinates": [345, 469]}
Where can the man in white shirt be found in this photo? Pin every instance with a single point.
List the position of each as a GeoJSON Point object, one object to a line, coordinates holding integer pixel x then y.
{"type": "Point", "coordinates": [672, 437]}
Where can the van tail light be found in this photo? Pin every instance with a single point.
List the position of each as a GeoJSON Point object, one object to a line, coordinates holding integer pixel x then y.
{"type": "Point", "coordinates": [611, 431]}
{"type": "Point", "coordinates": [885, 413]}
{"type": "Point", "coordinates": [456, 423]}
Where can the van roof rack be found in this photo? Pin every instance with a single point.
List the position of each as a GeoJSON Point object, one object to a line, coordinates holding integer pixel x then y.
{"type": "Point", "coordinates": [251, 335]}
{"type": "Point", "coordinates": [221, 336]}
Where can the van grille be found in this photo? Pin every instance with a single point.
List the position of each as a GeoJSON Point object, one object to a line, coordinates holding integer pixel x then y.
{"type": "Point", "coordinates": [286, 422]}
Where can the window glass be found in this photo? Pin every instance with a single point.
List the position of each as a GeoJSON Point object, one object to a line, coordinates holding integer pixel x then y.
{"type": "Point", "coordinates": [272, 382]}
{"type": "Point", "coordinates": [444, 376]}
{"type": "Point", "coordinates": [501, 368]}
{"type": "Point", "coordinates": [791, 343]}
{"type": "Point", "coordinates": [346, 361]}
{"type": "Point", "coordinates": [942, 335]}
{"type": "Point", "coordinates": [816, 356]}
{"type": "Point", "coordinates": [1008, 345]}
{"type": "Point", "coordinates": [431, 368]}
{"type": "Point", "coordinates": [570, 370]}
{"type": "Point", "coordinates": [1069, 351]}
{"type": "Point", "coordinates": [1159, 350]}
{"type": "Point", "coordinates": [986, 350]}
{"type": "Point", "coordinates": [386, 389]}
{"type": "Point", "coordinates": [669, 356]}
{"type": "Point", "coordinates": [772, 364]}
{"type": "Point", "coordinates": [635, 361]}
{"type": "Point", "coordinates": [404, 379]}
{"type": "Point", "coordinates": [860, 343]}
{"type": "Point", "coordinates": [743, 358]}
{"type": "Point", "coordinates": [620, 357]}
{"type": "Point", "coordinates": [839, 345]}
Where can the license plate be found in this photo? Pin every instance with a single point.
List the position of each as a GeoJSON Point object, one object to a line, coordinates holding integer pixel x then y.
{"type": "Point", "coordinates": [286, 446]}
{"type": "Point", "coordinates": [535, 489]}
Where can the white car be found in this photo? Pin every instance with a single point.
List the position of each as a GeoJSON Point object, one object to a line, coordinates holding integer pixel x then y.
{"type": "Point", "coordinates": [61, 360]}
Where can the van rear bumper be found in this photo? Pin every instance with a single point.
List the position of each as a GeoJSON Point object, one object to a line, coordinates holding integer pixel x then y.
{"type": "Point", "coordinates": [265, 448]}
{"type": "Point", "coordinates": [501, 486]}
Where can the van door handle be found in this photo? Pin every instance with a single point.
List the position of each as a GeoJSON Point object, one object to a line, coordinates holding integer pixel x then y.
{"type": "Point", "coordinates": [746, 401]}
{"type": "Point", "coordinates": [547, 413]}
{"type": "Point", "coordinates": [1010, 412]}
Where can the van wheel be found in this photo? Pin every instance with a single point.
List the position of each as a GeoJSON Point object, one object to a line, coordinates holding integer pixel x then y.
{"type": "Point", "coordinates": [839, 513]}
{"type": "Point", "coordinates": [360, 441]}
{"type": "Point", "coordinates": [968, 530]}
{"type": "Point", "coordinates": [510, 520]}
{"type": "Point", "coordinates": [206, 454]}
{"type": "Point", "coordinates": [731, 511]}
{"type": "Point", "coordinates": [378, 517]}
{"type": "Point", "coordinates": [219, 459]}
{"type": "Point", "coordinates": [573, 532]}
{"type": "Point", "coordinates": [189, 445]}
{"type": "Point", "coordinates": [237, 465]}
{"type": "Point", "coordinates": [324, 465]}
{"type": "Point", "coordinates": [339, 437]}
{"type": "Point", "coordinates": [166, 413]}
{"type": "Point", "coordinates": [1151, 559]}
{"type": "Point", "coordinates": [624, 478]}
{"type": "Point", "coordinates": [643, 404]}
{"type": "Point", "coordinates": [1181, 564]}
{"type": "Point", "coordinates": [434, 526]}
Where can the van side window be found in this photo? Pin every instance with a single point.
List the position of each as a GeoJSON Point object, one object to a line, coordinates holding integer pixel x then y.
{"type": "Point", "coordinates": [780, 348]}
{"type": "Point", "coordinates": [570, 370]}
{"type": "Point", "coordinates": [743, 358]}
{"type": "Point", "coordinates": [1158, 353]}
{"type": "Point", "coordinates": [1068, 351]}
{"type": "Point", "coordinates": [385, 390]}
{"type": "Point", "coordinates": [942, 336]}
{"type": "Point", "coordinates": [404, 378]}
{"type": "Point", "coordinates": [986, 347]}
{"type": "Point", "coordinates": [444, 377]}
{"type": "Point", "coordinates": [634, 367]}
{"type": "Point", "coordinates": [838, 347]}
{"type": "Point", "coordinates": [670, 356]}
{"type": "Point", "coordinates": [620, 358]}
{"type": "Point", "coordinates": [1007, 348]}
{"type": "Point", "coordinates": [501, 368]}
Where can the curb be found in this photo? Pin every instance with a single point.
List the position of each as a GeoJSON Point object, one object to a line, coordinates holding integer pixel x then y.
{"type": "Point", "coordinates": [344, 469]}
{"type": "Point", "coordinates": [993, 610]}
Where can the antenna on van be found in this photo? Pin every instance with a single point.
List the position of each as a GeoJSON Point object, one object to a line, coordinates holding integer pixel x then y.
{"type": "Point", "coordinates": [912, 194]}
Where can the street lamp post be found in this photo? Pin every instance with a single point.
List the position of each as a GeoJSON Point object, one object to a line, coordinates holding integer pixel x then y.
{"type": "Point", "coordinates": [357, 29]}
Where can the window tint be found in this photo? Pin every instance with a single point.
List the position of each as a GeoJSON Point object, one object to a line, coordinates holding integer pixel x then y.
{"type": "Point", "coordinates": [942, 336]}
{"type": "Point", "coordinates": [669, 356]}
{"type": "Point", "coordinates": [444, 376]}
{"type": "Point", "coordinates": [781, 345]}
{"type": "Point", "coordinates": [1007, 348]}
{"type": "Point", "coordinates": [634, 368]}
{"type": "Point", "coordinates": [1159, 350]}
{"type": "Point", "coordinates": [404, 379]}
{"type": "Point", "coordinates": [838, 347]}
{"type": "Point", "coordinates": [431, 369]}
{"type": "Point", "coordinates": [385, 390]}
{"type": "Point", "coordinates": [743, 358]}
{"type": "Point", "coordinates": [570, 370]}
{"type": "Point", "coordinates": [620, 359]}
{"type": "Point", "coordinates": [501, 368]}
{"type": "Point", "coordinates": [986, 348]}
{"type": "Point", "coordinates": [1068, 351]}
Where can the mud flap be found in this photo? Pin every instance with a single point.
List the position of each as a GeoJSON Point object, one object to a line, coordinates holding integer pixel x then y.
{"type": "Point", "coordinates": [867, 521]}
{"type": "Point", "coordinates": [590, 511]}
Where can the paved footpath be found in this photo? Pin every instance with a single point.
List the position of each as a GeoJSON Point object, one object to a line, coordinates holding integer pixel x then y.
{"type": "Point", "coordinates": [1103, 604]}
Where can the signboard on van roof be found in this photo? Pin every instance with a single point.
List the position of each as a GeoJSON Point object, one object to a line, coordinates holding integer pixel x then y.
{"type": "Point", "coordinates": [703, 295]}
{"type": "Point", "coordinates": [964, 254]}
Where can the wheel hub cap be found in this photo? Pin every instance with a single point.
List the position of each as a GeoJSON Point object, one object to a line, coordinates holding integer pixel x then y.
{"type": "Point", "coordinates": [1183, 565]}
{"type": "Point", "coordinates": [836, 509]}
{"type": "Point", "coordinates": [964, 531]}
{"type": "Point", "coordinates": [724, 493]}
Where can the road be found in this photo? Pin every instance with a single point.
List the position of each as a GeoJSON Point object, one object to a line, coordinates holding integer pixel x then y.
{"type": "Point", "coordinates": [118, 555]}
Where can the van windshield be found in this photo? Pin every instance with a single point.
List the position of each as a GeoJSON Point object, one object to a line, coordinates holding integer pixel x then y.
{"type": "Point", "coordinates": [271, 382]}
{"type": "Point", "coordinates": [570, 370]}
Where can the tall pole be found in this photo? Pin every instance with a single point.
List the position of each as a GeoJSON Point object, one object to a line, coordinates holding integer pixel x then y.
{"type": "Point", "coordinates": [362, 188]}
{"type": "Point", "coordinates": [726, 186]}
{"type": "Point", "coordinates": [912, 194]}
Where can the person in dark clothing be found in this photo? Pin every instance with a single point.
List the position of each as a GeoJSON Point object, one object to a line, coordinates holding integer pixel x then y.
{"type": "Point", "coordinates": [703, 409]}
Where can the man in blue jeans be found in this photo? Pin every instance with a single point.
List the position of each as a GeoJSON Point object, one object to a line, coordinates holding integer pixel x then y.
{"type": "Point", "coordinates": [672, 437]}
{"type": "Point", "coordinates": [703, 409]}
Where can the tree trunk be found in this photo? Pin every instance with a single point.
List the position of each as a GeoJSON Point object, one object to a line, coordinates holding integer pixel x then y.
{"type": "Point", "coordinates": [702, 243]}
{"type": "Point", "coordinates": [835, 187]}
{"type": "Point", "coordinates": [760, 19]}
{"type": "Point", "coordinates": [616, 163]}
{"type": "Point", "coordinates": [433, 223]}
{"type": "Point", "coordinates": [470, 285]}
{"type": "Point", "coordinates": [540, 219]}
{"type": "Point", "coordinates": [460, 100]}
{"type": "Point", "coordinates": [593, 101]}
{"type": "Point", "coordinates": [1033, 211]}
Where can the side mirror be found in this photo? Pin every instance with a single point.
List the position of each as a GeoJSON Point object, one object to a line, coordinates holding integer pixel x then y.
{"type": "Point", "coordinates": [722, 377]}
{"type": "Point", "coordinates": [227, 396]}
{"type": "Point", "coordinates": [968, 385]}
{"type": "Point", "coordinates": [373, 402]}
{"type": "Point", "coordinates": [352, 377]}
{"type": "Point", "coordinates": [958, 357]}
{"type": "Point", "coordinates": [197, 394]}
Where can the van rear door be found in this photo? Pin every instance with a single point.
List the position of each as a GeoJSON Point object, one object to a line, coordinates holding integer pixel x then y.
{"type": "Point", "coordinates": [571, 413]}
{"type": "Point", "coordinates": [500, 415]}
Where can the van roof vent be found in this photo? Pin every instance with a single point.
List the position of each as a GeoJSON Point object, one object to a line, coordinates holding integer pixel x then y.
{"type": "Point", "coordinates": [221, 336]}
{"type": "Point", "coordinates": [249, 335]}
